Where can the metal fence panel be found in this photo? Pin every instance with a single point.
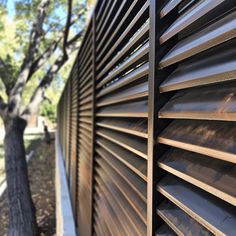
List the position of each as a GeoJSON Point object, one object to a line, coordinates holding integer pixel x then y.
{"type": "Point", "coordinates": [147, 119]}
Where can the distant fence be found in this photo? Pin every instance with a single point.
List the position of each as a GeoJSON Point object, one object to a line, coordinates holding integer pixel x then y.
{"type": "Point", "coordinates": [146, 119]}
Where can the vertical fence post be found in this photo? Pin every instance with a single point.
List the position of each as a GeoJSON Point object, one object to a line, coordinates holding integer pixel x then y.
{"type": "Point", "coordinates": [152, 116]}
{"type": "Point", "coordinates": [93, 114]}
{"type": "Point", "coordinates": [68, 96]}
{"type": "Point", "coordinates": [155, 101]}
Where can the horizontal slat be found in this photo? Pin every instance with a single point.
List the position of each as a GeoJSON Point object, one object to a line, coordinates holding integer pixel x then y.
{"type": "Point", "coordinates": [135, 109]}
{"type": "Point", "coordinates": [119, 210]}
{"type": "Point", "coordinates": [84, 150]}
{"type": "Point", "coordinates": [124, 33]}
{"type": "Point", "coordinates": [126, 65]}
{"type": "Point", "coordinates": [130, 93]}
{"type": "Point", "coordinates": [86, 100]}
{"type": "Point", "coordinates": [85, 42]}
{"type": "Point", "coordinates": [119, 203]}
{"type": "Point", "coordinates": [136, 164]}
{"type": "Point", "coordinates": [197, 11]}
{"type": "Point", "coordinates": [86, 93]}
{"type": "Point", "coordinates": [170, 5]}
{"type": "Point", "coordinates": [211, 103]}
{"type": "Point", "coordinates": [86, 62]}
{"type": "Point", "coordinates": [133, 144]}
{"type": "Point", "coordinates": [165, 230]}
{"type": "Point", "coordinates": [100, 40]}
{"type": "Point", "coordinates": [85, 107]}
{"type": "Point", "coordinates": [101, 226]}
{"type": "Point", "coordinates": [219, 177]}
{"type": "Point", "coordinates": [86, 113]}
{"type": "Point", "coordinates": [85, 120]}
{"type": "Point", "coordinates": [181, 223]}
{"type": "Point", "coordinates": [104, 25]}
{"type": "Point", "coordinates": [136, 127]}
{"type": "Point", "coordinates": [217, 216]}
{"type": "Point", "coordinates": [100, 10]}
{"type": "Point", "coordinates": [86, 126]}
{"type": "Point", "coordinates": [212, 35]}
{"type": "Point", "coordinates": [211, 138]}
{"type": "Point", "coordinates": [216, 66]}
{"type": "Point", "coordinates": [104, 15]}
{"type": "Point", "coordinates": [86, 78]}
{"type": "Point", "coordinates": [137, 39]}
{"type": "Point", "coordinates": [88, 85]}
{"type": "Point", "coordinates": [105, 209]}
{"type": "Point", "coordinates": [134, 200]}
{"type": "Point", "coordinates": [135, 182]}
{"type": "Point", "coordinates": [85, 139]}
{"type": "Point", "coordinates": [127, 79]}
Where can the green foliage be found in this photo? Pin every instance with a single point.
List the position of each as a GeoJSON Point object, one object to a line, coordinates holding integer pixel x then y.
{"type": "Point", "coordinates": [15, 29]}
{"type": "Point", "coordinates": [48, 110]}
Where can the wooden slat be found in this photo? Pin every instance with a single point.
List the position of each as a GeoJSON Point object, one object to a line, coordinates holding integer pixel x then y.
{"type": "Point", "coordinates": [217, 216]}
{"type": "Point", "coordinates": [108, 32]}
{"type": "Point", "coordinates": [133, 144]}
{"type": "Point", "coordinates": [180, 222]}
{"type": "Point", "coordinates": [110, 216]}
{"type": "Point", "coordinates": [127, 94]}
{"type": "Point", "coordinates": [165, 230]}
{"type": "Point", "coordinates": [211, 138]}
{"type": "Point", "coordinates": [115, 204]}
{"type": "Point", "coordinates": [122, 201]}
{"type": "Point", "coordinates": [137, 127]}
{"type": "Point", "coordinates": [134, 109]}
{"type": "Point", "coordinates": [215, 34]}
{"type": "Point", "coordinates": [126, 65]}
{"type": "Point", "coordinates": [197, 11]}
{"type": "Point", "coordinates": [101, 57]}
{"type": "Point", "coordinates": [125, 80]}
{"type": "Point", "coordinates": [105, 26]}
{"type": "Point", "coordinates": [135, 182]}
{"type": "Point", "coordinates": [104, 14]}
{"type": "Point", "coordinates": [137, 165]}
{"type": "Point", "coordinates": [170, 5]}
{"type": "Point", "coordinates": [126, 50]}
{"type": "Point", "coordinates": [211, 103]}
{"type": "Point", "coordinates": [216, 66]}
{"type": "Point", "coordinates": [219, 177]}
{"type": "Point", "coordinates": [134, 200]}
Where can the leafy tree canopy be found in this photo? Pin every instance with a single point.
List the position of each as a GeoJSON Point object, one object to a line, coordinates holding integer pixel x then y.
{"type": "Point", "coordinates": [17, 18]}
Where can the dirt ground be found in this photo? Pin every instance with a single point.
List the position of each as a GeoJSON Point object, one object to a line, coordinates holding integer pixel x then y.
{"type": "Point", "coordinates": [41, 173]}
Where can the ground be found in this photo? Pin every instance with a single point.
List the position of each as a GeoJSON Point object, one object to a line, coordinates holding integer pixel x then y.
{"type": "Point", "coordinates": [41, 173]}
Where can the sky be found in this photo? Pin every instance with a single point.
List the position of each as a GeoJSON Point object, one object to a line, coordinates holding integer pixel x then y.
{"type": "Point", "coordinates": [11, 8]}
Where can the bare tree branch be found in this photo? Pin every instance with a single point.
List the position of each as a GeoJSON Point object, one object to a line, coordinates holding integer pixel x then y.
{"type": "Point", "coordinates": [3, 107]}
{"type": "Point", "coordinates": [43, 58]}
{"type": "Point", "coordinates": [75, 38]}
{"type": "Point", "coordinates": [36, 32]}
{"type": "Point", "coordinates": [39, 94]}
{"type": "Point", "coordinates": [67, 29]}
{"type": "Point", "coordinates": [16, 92]}
{"type": "Point", "coordinates": [5, 76]}
{"type": "Point", "coordinates": [35, 64]}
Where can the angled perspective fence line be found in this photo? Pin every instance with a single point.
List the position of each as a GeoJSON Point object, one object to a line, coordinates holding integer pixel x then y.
{"type": "Point", "coordinates": [146, 121]}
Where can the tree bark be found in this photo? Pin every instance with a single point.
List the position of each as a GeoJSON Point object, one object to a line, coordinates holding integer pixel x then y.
{"type": "Point", "coordinates": [22, 218]}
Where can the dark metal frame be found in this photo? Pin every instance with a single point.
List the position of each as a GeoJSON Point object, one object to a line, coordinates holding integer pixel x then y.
{"type": "Point", "coordinates": [93, 118]}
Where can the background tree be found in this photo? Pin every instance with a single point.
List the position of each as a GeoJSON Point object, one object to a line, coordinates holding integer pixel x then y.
{"type": "Point", "coordinates": [35, 44]}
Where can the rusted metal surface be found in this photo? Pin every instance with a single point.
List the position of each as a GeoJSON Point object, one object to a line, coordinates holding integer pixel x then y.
{"type": "Point", "coordinates": [146, 121]}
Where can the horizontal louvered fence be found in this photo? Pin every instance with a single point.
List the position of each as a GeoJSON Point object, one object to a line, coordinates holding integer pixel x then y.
{"type": "Point", "coordinates": [147, 119]}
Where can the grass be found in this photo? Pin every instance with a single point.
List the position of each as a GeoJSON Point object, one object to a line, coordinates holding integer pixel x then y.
{"type": "Point", "coordinates": [31, 142]}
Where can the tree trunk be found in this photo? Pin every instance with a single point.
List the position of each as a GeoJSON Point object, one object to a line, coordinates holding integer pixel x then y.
{"type": "Point", "coordinates": [22, 219]}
